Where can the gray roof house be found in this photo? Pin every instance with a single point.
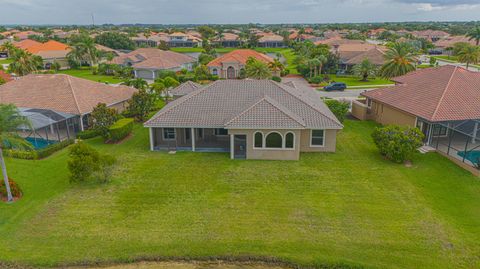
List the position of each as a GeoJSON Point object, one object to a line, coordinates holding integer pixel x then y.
{"type": "Point", "coordinates": [250, 119]}
{"type": "Point", "coordinates": [184, 89]}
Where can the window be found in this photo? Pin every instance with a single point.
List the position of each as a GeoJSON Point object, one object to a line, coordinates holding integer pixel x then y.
{"type": "Point", "coordinates": [273, 140]}
{"type": "Point", "coordinates": [200, 133]}
{"type": "Point", "coordinates": [221, 131]}
{"type": "Point", "coordinates": [169, 133]}
{"type": "Point", "coordinates": [188, 133]}
{"type": "Point", "coordinates": [214, 71]}
{"type": "Point", "coordinates": [318, 137]}
{"type": "Point", "coordinates": [258, 143]}
{"type": "Point", "coordinates": [289, 140]}
{"type": "Point", "coordinates": [439, 130]}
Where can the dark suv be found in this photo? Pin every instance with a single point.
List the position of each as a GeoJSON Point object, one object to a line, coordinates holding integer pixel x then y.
{"type": "Point", "coordinates": [335, 86]}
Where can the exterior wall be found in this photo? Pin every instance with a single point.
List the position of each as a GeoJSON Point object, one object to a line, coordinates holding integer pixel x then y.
{"type": "Point", "coordinates": [222, 70]}
{"type": "Point", "coordinates": [120, 107]}
{"type": "Point", "coordinates": [329, 145]}
{"type": "Point", "coordinates": [62, 61]}
{"type": "Point", "coordinates": [145, 74]}
{"type": "Point", "coordinates": [385, 114]}
{"type": "Point", "coordinates": [359, 110]}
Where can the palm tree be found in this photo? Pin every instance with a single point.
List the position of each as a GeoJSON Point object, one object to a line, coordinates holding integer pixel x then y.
{"type": "Point", "coordinates": [10, 120]}
{"type": "Point", "coordinates": [475, 35]}
{"type": "Point", "coordinates": [322, 60]}
{"type": "Point", "coordinates": [84, 50]}
{"type": "Point", "coordinates": [469, 54]}
{"type": "Point", "coordinates": [257, 70]}
{"type": "Point", "coordinates": [137, 83]}
{"type": "Point", "coordinates": [365, 69]}
{"type": "Point", "coordinates": [400, 60]}
{"type": "Point", "coordinates": [276, 66]}
{"type": "Point", "coordinates": [24, 62]}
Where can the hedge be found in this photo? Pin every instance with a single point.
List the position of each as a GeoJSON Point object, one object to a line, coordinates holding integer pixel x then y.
{"type": "Point", "coordinates": [121, 129]}
{"type": "Point", "coordinates": [40, 153]}
{"type": "Point", "coordinates": [87, 134]}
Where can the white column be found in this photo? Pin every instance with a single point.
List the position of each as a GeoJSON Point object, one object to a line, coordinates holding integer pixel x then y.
{"type": "Point", "coordinates": [81, 123]}
{"type": "Point", "coordinates": [193, 138]}
{"type": "Point", "coordinates": [475, 132]}
{"type": "Point", "coordinates": [232, 145]}
{"type": "Point", "coordinates": [151, 139]}
{"type": "Point", "coordinates": [153, 75]}
{"type": "Point", "coordinates": [135, 73]}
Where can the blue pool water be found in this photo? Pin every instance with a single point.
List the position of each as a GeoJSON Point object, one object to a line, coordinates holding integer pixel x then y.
{"type": "Point", "coordinates": [39, 143]}
{"type": "Point", "coordinates": [472, 156]}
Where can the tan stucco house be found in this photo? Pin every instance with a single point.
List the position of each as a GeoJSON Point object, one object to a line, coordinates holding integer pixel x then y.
{"type": "Point", "coordinates": [250, 119]}
{"type": "Point", "coordinates": [231, 65]}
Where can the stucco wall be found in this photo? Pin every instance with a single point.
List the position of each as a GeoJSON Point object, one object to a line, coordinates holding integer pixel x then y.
{"type": "Point", "coordinates": [359, 110]}
{"type": "Point", "coordinates": [386, 114]}
{"type": "Point", "coordinates": [329, 145]}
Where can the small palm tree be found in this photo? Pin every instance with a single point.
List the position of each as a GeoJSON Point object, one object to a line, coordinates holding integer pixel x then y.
{"type": "Point", "coordinates": [365, 69]}
{"type": "Point", "coordinates": [84, 50]}
{"type": "Point", "coordinates": [276, 66]}
{"type": "Point", "coordinates": [400, 60]}
{"type": "Point", "coordinates": [137, 83]}
{"type": "Point", "coordinates": [469, 54]}
{"type": "Point", "coordinates": [257, 70]}
{"type": "Point", "coordinates": [24, 62]}
{"type": "Point", "coordinates": [10, 120]}
{"type": "Point", "coordinates": [475, 35]}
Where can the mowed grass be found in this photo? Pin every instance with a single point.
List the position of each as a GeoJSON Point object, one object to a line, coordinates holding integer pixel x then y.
{"type": "Point", "coordinates": [355, 81]}
{"type": "Point", "coordinates": [86, 73]}
{"type": "Point", "coordinates": [350, 207]}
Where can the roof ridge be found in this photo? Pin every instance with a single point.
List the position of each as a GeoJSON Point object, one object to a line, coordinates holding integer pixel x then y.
{"type": "Point", "coordinates": [444, 92]}
{"type": "Point", "coordinates": [73, 94]}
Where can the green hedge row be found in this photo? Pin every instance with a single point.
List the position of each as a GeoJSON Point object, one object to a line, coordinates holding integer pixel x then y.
{"type": "Point", "coordinates": [87, 134]}
{"type": "Point", "coordinates": [40, 153]}
{"type": "Point", "coordinates": [121, 129]}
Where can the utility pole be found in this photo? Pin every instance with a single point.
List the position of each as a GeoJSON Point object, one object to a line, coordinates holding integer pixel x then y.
{"type": "Point", "coordinates": [93, 20]}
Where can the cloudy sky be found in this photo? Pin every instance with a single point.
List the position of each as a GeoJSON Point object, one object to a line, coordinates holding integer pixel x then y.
{"type": "Point", "coordinates": [234, 11]}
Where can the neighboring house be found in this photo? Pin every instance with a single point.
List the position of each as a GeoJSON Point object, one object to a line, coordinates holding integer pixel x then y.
{"type": "Point", "coordinates": [5, 77]}
{"type": "Point", "coordinates": [375, 33]}
{"type": "Point", "coordinates": [445, 45]}
{"type": "Point", "coordinates": [59, 105]}
{"type": "Point", "coordinates": [296, 36]}
{"type": "Point", "coordinates": [3, 54]}
{"type": "Point", "coordinates": [179, 39]}
{"type": "Point", "coordinates": [443, 102]}
{"type": "Point", "coordinates": [151, 41]}
{"type": "Point", "coordinates": [25, 34]}
{"type": "Point", "coordinates": [270, 40]}
{"type": "Point", "coordinates": [351, 54]}
{"type": "Point", "coordinates": [109, 50]}
{"type": "Point", "coordinates": [431, 35]}
{"type": "Point", "coordinates": [231, 65]}
{"type": "Point", "coordinates": [147, 62]}
{"type": "Point", "coordinates": [337, 41]}
{"type": "Point", "coordinates": [228, 40]}
{"type": "Point", "coordinates": [51, 51]}
{"type": "Point", "coordinates": [184, 89]}
{"type": "Point", "coordinates": [251, 119]}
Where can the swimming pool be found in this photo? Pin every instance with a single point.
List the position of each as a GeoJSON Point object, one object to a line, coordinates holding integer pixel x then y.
{"type": "Point", "coordinates": [473, 156]}
{"type": "Point", "coordinates": [39, 143]}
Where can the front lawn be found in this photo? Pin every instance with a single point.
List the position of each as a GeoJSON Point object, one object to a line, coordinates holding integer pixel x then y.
{"type": "Point", "coordinates": [355, 81]}
{"type": "Point", "coordinates": [350, 208]}
{"type": "Point", "coordinates": [6, 61]}
{"type": "Point", "coordinates": [86, 73]}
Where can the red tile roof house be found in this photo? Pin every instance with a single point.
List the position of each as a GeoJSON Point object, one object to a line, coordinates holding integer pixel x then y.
{"type": "Point", "coordinates": [230, 65]}
{"type": "Point", "coordinates": [59, 105]}
{"type": "Point", "coordinates": [443, 102]}
{"type": "Point", "coordinates": [51, 51]}
{"type": "Point", "coordinates": [250, 119]}
{"type": "Point", "coordinates": [147, 62]}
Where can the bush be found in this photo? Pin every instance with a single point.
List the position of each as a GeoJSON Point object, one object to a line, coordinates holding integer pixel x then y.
{"type": "Point", "coordinates": [339, 109]}
{"type": "Point", "coordinates": [120, 130]}
{"type": "Point", "coordinates": [277, 79]}
{"type": "Point", "coordinates": [397, 143]}
{"type": "Point", "coordinates": [87, 134]}
{"type": "Point", "coordinates": [316, 80]}
{"type": "Point", "coordinates": [49, 150]}
{"type": "Point", "coordinates": [21, 154]}
{"type": "Point", "coordinates": [14, 188]}
{"type": "Point", "coordinates": [102, 117]}
{"type": "Point", "coordinates": [85, 163]}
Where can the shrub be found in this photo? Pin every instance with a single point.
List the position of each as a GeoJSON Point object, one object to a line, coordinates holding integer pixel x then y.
{"type": "Point", "coordinates": [87, 134]}
{"type": "Point", "coordinates": [102, 117]}
{"type": "Point", "coordinates": [121, 129]}
{"type": "Point", "coordinates": [140, 105]}
{"type": "Point", "coordinates": [277, 79]}
{"type": "Point", "coordinates": [21, 154]}
{"type": "Point", "coordinates": [105, 169]}
{"type": "Point", "coordinates": [49, 150]}
{"type": "Point", "coordinates": [316, 80]}
{"type": "Point", "coordinates": [397, 143]}
{"type": "Point", "coordinates": [14, 188]}
{"type": "Point", "coordinates": [84, 161]}
{"type": "Point", "coordinates": [339, 109]}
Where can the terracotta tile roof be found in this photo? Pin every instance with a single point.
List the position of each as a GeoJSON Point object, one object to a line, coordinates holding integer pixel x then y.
{"type": "Point", "coordinates": [5, 76]}
{"type": "Point", "coordinates": [228, 37]}
{"type": "Point", "coordinates": [26, 44]}
{"type": "Point", "coordinates": [185, 88]}
{"type": "Point", "coordinates": [436, 94]}
{"type": "Point", "coordinates": [451, 40]}
{"type": "Point", "coordinates": [50, 45]}
{"type": "Point", "coordinates": [61, 93]}
{"type": "Point", "coordinates": [375, 55]}
{"type": "Point", "coordinates": [270, 37]}
{"type": "Point", "coordinates": [240, 56]}
{"type": "Point", "coordinates": [337, 40]}
{"type": "Point", "coordinates": [247, 104]}
{"type": "Point", "coordinates": [151, 58]}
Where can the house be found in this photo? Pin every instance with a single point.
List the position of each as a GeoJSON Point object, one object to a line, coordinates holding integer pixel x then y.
{"type": "Point", "coordinates": [108, 50]}
{"type": "Point", "coordinates": [250, 119]}
{"type": "Point", "coordinates": [147, 62]}
{"type": "Point", "coordinates": [352, 54]}
{"type": "Point", "coordinates": [270, 40]}
{"type": "Point", "coordinates": [59, 105]}
{"type": "Point", "coordinates": [150, 41]}
{"type": "Point", "coordinates": [228, 40]}
{"type": "Point", "coordinates": [179, 39]}
{"type": "Point", "coordinates": [443, 102]}
{"type": "Point", "coordinates": [443, 46]}
{"type": "Point", "coordinates": [5, 77]}
{"type": "Point", "coordinates": [51, 51]}
{"type": "Point", "coordinates": [375, 33]}
{"type": "Point", "coordinates": [184, 89]}
{"type": "Point", "coordinates": [431, 35]}
{"type": "Point", "coordinates": [25, 35]}
{"type": "Point", "coordinates": [231, 65]}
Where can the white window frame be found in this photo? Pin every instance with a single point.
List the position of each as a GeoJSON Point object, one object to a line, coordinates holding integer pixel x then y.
{"type": "Point", "coordinates": [285, 140]}
{"type": "Point", "coordinates": [215, 71]}
{"type": "Point", "coordinates": [263, 140]}
{"type": "Point", "coordinates": [311, 138]}
{"type": "Point", "coordinates": [169, 139]}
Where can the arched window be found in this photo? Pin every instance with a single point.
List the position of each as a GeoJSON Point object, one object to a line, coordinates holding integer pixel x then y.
{"type": "Point", "coordinates": [289, 140]}
{"type": "Point", "coordinates": [258, 143]}
{"type": "Point", "coordinates": [273, 140]}
{"type": "Point", "coordinates": [214, 71]}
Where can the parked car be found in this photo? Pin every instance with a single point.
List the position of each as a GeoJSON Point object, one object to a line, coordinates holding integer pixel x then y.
{"type": "Point", "coordinates": [335, 86]}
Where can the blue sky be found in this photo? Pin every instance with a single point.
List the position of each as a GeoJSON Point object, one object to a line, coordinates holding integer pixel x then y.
{"type": "Point", "coordinates": [234, 11]}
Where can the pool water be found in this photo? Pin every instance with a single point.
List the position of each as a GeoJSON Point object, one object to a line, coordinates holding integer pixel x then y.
{"type": "Point", "coordinates": [472, 156]}
{"type": "Point", "coordinates": [39, 143]}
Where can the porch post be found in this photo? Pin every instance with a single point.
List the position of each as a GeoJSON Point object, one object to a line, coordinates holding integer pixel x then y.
{"type": "Point", "coordinates": [193, 138]}
{"type": "Point", "coordinates": [232, 145]}
{"type": "Point", "coordinates": [153, 74]}
{"type": "Point", "coordinates": [151, 139]}
{"type": "Point", "coordinates": [81, 123]}
{"type": "Point", "coordinates": [68, 131]}
{"type": "Point", "coordinates": [475, 132]}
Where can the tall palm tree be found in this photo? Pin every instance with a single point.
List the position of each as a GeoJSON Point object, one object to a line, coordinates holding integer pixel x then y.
{"type": "Point", "coordinates": [469, 54]}
{"type": "Point", "coordinates": [24, 62]}
{"type": "Point", "coordinates": [322, 60]}
{"type": "Point", "coordinates": [400, 59]}
{"type": "Point", "coordinates": [84, 49]}
{"type": "Point", "coordinates": [276, 66]}
{"type": "Point", "coordinates": [10, 120]}
{"type": "Point", "coordinates": [475, 35]}
{"type": "Point", "coordinates": [365, 69]}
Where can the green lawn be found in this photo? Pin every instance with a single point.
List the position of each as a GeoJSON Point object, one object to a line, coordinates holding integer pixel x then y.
{"type": "Point", "coordinates": [86, 73]}
{"type": "Point", "coordinates": [6, 61]}
{"type": "Point", "coordinates": [351, 207]}
{"type": "Point", "coordinates": [355, 81]}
